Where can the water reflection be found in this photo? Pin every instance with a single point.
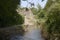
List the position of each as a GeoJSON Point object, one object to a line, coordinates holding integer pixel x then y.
{"type": "Point", "coordinates": [32, 35]}
{"type": "Point", "coordinates": [17, 37]}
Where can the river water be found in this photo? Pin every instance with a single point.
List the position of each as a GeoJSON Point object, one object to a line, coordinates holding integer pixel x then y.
{"type": "Point", "coordinates": [32, 33]}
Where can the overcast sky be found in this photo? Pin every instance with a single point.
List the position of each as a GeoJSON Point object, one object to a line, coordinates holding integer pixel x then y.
{"type": "Point", "coordinates": [24, 3]}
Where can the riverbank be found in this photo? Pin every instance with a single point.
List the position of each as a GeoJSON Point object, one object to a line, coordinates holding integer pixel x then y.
{"type": "Point", "coordinates": [6, 33]}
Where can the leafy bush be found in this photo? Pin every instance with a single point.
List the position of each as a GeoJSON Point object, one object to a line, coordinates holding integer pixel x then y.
{"type": "Point", "coordinates": [53, 21]}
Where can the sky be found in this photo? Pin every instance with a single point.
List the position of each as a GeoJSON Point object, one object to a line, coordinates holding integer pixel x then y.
{"type": "Point", "coordinates": [36, 2]}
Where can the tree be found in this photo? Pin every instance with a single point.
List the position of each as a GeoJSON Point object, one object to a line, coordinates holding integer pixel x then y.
{"type": "Point", "coordinates": [53, 21]}
{"type": "Point", "coordinates": [8, 13]}
{"type": "Point", "coordinates": [53, 17]}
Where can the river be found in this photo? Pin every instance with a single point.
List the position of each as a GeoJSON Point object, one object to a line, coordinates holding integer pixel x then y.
{"type": "Point", "coordinates": [32, 32]}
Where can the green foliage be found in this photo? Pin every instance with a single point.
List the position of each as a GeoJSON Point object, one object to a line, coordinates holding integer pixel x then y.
{"type": "Point", "coordinates": [49, 3]}
{"type": "Point", "coordinates": [41, 14]}
{"type": "Point", "coordinates": [8, 13]}
{"type": "Point", "coordinates": [53, 21]}
{"type": "Point", "coordinates": [52, 14]}
{"type": "Point", "coordinates": [10, 17]}
{"type": "Point", "coordinates": [52, 10]}
{"type": "Point", "coordinates": [34, 11]}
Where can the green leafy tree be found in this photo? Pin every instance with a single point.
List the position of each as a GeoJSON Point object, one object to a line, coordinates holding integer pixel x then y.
{"type": "Point", "coordinates": [53, 21]}
{"type": "Point", "coordinates": [53, 18]}
{"type": "Point", "coordinates": [8, 14]}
